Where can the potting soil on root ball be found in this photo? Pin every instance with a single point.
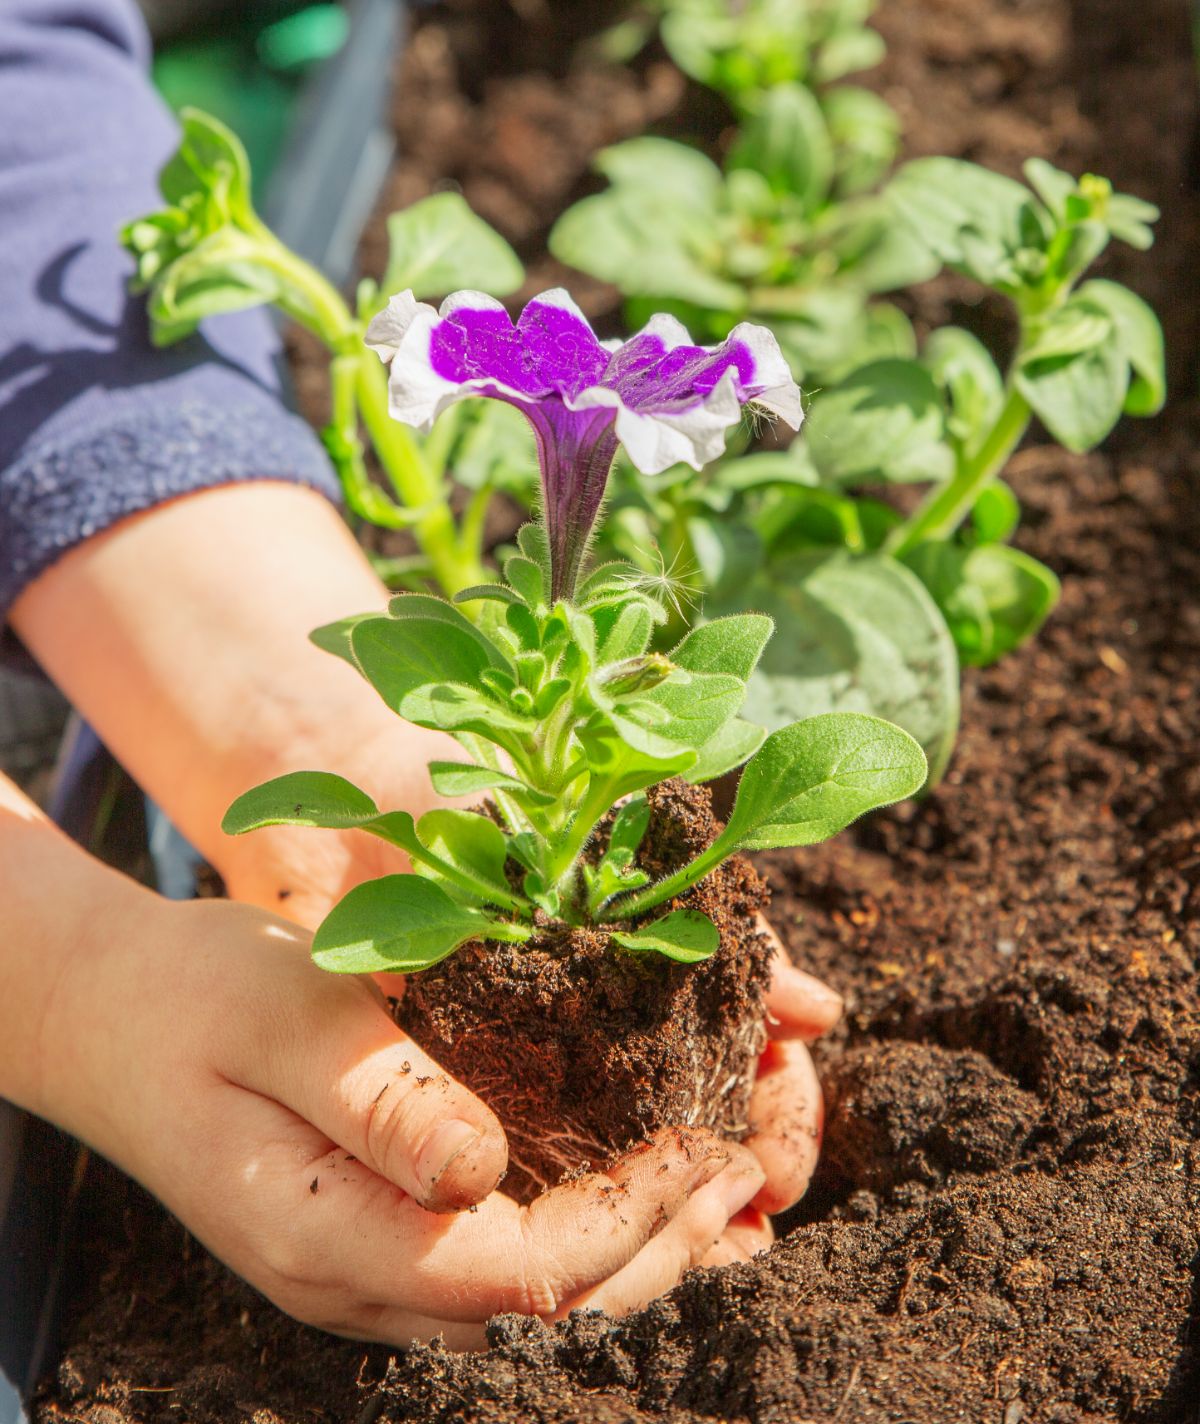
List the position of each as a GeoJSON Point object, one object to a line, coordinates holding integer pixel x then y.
{"type": "Point", "coordinates": [1006, 1226]}
{"type": "Point", "coordinates": [582, 1051]}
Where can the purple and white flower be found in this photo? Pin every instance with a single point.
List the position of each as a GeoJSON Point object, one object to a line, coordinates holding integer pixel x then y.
{"type": "Point", "coordinates": [666, 400]}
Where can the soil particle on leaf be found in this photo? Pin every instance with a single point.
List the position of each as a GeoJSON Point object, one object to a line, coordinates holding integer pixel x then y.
{"type": "Point", "coordinates": [1006, 1225]}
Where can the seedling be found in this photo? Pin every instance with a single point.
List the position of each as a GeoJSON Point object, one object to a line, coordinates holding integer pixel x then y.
{"type": "Point", "coordinates": [744, 47]}
{"type": "Point", "coordinates": [565, 715]}
{"type": "Point", "coordinates": [789, 234]}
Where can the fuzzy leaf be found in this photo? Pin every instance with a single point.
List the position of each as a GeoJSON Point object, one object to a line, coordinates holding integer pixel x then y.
{"type": "Point", "coordinates": [628, 828]}
{"type": "Point", "coordinates": [664, 167]}
{"type": "Point", "coordinates": [856, 634]}
{"type": "Point", "coordinates": [885, 423]}
{"type": "Point", "coordinates": [402, 924]}
{"type": "Point", "coordinates": [624, 768]}
{"type": "Point", "coordinates": [424, 641]}
{"type": "Point", "coordinates": [735, 743]}
{"type": "Point", "coordinates": [439, 245]}
{"type": "Point", "coordinates": [469, 842]}
{"type": "Point", "coordinates": [676, 715]}
{"type": "Point", "coordinates": [686, 936]}
{"type": "Point", "coordinates": [995, 514]}
{"type": "Point", "coordinates": [647, 248]}
{"type": "Point", "coordinates": [731, 646]}
{"type": "Point", "coordinates": [810, 780]}
{"type": "Point", "coordinates": [456, 778]}
{"type": "Point", "coordinates": [962, 366]}
{"type": "Point", "coordinates": [301, 798]}
{"type": "Point", "coordinates": [455, 707]}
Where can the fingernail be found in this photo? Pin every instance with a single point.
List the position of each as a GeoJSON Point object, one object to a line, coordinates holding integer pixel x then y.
{"type": "Point", "coordinates": [742, 1182]}
{"type": "Point", "coordinates": [444, 1144]}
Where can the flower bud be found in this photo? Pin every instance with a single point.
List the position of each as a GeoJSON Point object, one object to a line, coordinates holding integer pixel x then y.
{"type": "Point", "coordinates": [634, 675]}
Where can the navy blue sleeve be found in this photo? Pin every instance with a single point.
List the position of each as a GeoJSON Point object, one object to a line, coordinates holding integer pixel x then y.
{"type": "Point", "coordinates": [95, 423]}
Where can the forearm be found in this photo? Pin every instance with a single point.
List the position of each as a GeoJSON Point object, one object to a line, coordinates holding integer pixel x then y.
{"type": "Point", "coordinates": [58, 908]}
{"type": "Point", "coordinates": [182, 636]}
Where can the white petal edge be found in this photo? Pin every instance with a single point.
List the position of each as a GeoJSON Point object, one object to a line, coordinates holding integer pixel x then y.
{"type": "Point", "coordinates": [388, 328]}
{"type": "Point", "coordinates": [656, 441]}
{"type": "Point", "coordinates": [774, 387]}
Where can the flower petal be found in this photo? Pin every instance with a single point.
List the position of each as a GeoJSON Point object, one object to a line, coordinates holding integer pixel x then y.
{"type": "Point", "coordinates": [388, 328]}
{"type": "Point", "coordinates": [772, 384]}
{"type": "Point", "coordinates": [692, 435]}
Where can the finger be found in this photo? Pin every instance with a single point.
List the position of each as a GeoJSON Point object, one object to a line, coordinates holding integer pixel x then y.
{"type": "Point", "coordinates": [341, 1064]}
{"type": "Point", "coordinates": [786, 1118]}
{"type": "Point", "coordinates": [679, 1246]}
{"type": "Point", "coordinates": [503, 1257]}
{"type": "Point", "coordinates": [798, 1004]}
{"type": "Point", "coordinates": [746, 1236]}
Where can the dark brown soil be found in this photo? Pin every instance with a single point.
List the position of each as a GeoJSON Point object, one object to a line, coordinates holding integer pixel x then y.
{"type": "Point", "coordinates": [582, 1052]}
{"type": "Point", "coordinates": [1006, 1227]}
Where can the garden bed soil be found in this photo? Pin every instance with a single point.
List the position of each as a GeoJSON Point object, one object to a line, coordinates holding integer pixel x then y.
{"type": "Point", "coordinates": [1005, 1226]}
{"type": "Point", "coordinates": [581, 1052]}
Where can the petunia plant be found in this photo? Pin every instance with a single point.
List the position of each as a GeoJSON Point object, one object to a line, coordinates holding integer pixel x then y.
{"type": "Point", "coordinates": [743, 48]}
{"type": "Point", "coordinates": [564, 714]}
{"type": "Point", "coordinates": [876, 610]}
{"type": "Point", "coordinates": [789, 234]}
{"type": "Point", "coordinates": [207, 251]}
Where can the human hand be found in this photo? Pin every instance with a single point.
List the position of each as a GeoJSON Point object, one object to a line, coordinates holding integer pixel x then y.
{"type": "Point", "coordinates": [279, 1112]}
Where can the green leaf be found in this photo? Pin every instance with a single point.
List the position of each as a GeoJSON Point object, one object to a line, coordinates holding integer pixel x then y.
{"type": "Point", "coordinates": [846, 52]}
{"type": "Point", "coordinates": [856, 634]}
{"type": "Point", "coordinates": [212, 153]}
{"type": "Point", "coordinates": [623, 630]}
{"type": "Point", "coordinates": [335, 637]}
{"type": "Point", "coordinates": [455, 707]}
{"type": "Point", "coordinates": [424, 641]}
{"type": "Point", "coordinates": [660, 249]}
{"type": "Point", "coordinates": [730, 645]}
{"type": "Point", "coordinates": [963, 368]}
{"type": "Point", "coordinates": [885, 423]}
{"type": "Point", "coordinates": [487, 593]}
{"type": "Point", "coordinates": [664, 167]}
{"type": "Point", "coordinates": [865, 130]}
{"type": "Point", "coordinates": [993, 597]}
{"type": "Point", "coordinates": [624, 768]}
{"type": "Point", "coordinates": [735, 743]}
{"type": "Point", "coordinates": [628, 828]}
{"type": "Point", "coordinates": [1078, 398]}
{"type": "Point", "coordinates": [995, 514]}
{"type": "Point", "coordinates": [1140, 337]}
{"type": "Point", "coordinates": [301, 798]}
{"type": "Point", "coordinates": [456, 778]}
{"type": "Point", "coordinates": [679, 714]}
{"type": "Point", "coordinates": [686, 936]}
{"type": "Point", "coordinates": [400, 923]}
{"type": "Point", "coordinates": [810, 780]}
{"type": "Point", "coordinates": [973, 220]}
{"type": "Point", "coordinates": [439, 245]}
{"type": "Point", "coordinates": [787, 140]}
{"type": "Point", "coordinates": [469, 842]}
{"type": "Point", "coordinates": [1071, 330]}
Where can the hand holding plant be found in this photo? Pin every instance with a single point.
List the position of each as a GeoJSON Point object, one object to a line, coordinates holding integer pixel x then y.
{"type": "Point", "coordinates": [565, 714]}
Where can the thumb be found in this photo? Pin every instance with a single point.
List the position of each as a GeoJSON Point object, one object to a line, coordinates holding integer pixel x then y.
{"type": "Point", "coordinates": [345, 1067]}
